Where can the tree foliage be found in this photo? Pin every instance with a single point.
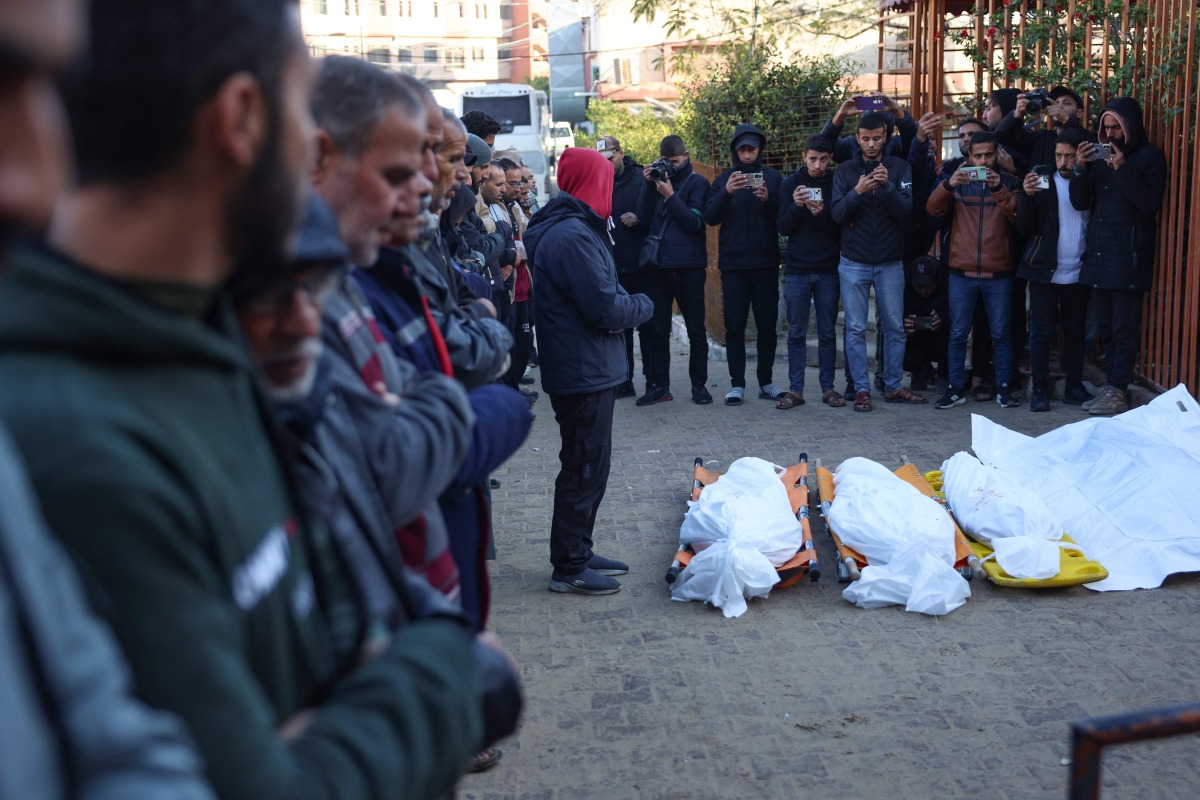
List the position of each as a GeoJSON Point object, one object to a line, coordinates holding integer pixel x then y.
{"type": "Point", "coordinates": [638, 129]}
{"type": "Point", "coordinates": [788, 101]}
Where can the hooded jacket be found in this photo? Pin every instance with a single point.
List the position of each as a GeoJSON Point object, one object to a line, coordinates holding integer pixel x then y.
{"type": "Point", "coordinates": [814, 242]}
{"type": "Point", "coordinates": [627, 241]}
{"type": "Point", "coordinates": [1121, 235]}
{"type": "Point", "coordinates": [872, 223]}
{"type": "Point", "coordinates": [981, 225]}
{"type": "Point", "coordinates": [680, 218]}
{"type": "Point", "coordinates": [582, 311]}
{"type": "Point", "coordinates": [749, 238]}
{"type": "Point", "coordinates": [147, 442]}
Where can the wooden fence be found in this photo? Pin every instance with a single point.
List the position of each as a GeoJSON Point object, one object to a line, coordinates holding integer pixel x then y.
{"type": "Point", "coordinates": [1147, 49]}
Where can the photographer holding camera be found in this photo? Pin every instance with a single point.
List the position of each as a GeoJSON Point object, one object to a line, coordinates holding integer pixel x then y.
{"type": "Point", "coordinates": [981, 206]}
{"type": "Point", "coordinates": [1123, 188]}
{"type": "Point", "coordinates": [744, 201]}
{"type": "Point", "coordinates": [672, 203]}
{"type": "Point", "coordinates": [1063, 109]}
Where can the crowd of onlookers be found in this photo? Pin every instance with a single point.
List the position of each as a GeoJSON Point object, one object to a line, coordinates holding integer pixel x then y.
{"type": "Point", "coordinates": [264, 324]}
{"type": "Point", "coordinates": [1039, 239]}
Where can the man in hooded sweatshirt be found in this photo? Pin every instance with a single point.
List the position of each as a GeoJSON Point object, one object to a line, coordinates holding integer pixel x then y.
{"type": "Point", "coordinates": [744, 201]}
{"type": "Point", "coordinates": [581, 313]}
{"type": "Point", "coordinates": [1124, 192]}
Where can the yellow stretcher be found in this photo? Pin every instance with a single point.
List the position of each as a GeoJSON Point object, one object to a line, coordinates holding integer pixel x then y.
{"type": "Point", "coordinates": [1074, 567]}
{"type": "Point", "coordinates": [795, 480]}
{"type": "Point", "coordinates": [851, 562]}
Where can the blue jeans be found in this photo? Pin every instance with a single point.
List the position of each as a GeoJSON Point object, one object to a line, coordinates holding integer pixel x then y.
{"type": "Point", "coordinates": [801, 292]}
{"type": "Point", "coordinates": [997, 298]}
{"type": "Point", "coordinates": [856, 282]}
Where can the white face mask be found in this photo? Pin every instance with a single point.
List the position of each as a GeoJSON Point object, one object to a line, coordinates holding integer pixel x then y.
{"type": "Point", "coordinates": [1029, 557]}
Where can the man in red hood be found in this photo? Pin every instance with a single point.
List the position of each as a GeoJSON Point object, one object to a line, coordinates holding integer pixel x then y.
{"type": "Point", "coordinates": [581, 313]}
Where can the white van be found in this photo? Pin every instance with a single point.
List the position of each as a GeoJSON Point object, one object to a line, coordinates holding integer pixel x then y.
{"type": "Point", "coordinates": [561, 138]}
{"type": "Point", "coordinates": [532, 156]}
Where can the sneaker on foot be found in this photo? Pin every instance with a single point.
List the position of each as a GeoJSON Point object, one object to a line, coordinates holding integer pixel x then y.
{"type": "Point", "coordinates": [735, 396]}
{"type": "Point", "coordinates": [1103, 393]}
{"type": "Point", "coordinates": [700, 395]}
{"type": "Point", "coordinates": [607, 566]}
{"type": "Point", "coordinates": [1005, 398]}
{"type": "Point", "coordinates": [626, 390]}
{"type": "Point", "coordinates": [587, 582]}
{"type": "Point", "coordinates": [953, 397]}
{"type": "Point", "coordinates": [655, 394]}
{"type": "Point", "coordinates": [1113, 401]}
{"type": "Point", "coordinates": [1077, 396]}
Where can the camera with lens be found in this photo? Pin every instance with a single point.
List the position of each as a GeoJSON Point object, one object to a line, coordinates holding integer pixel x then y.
{"type": "Point", "coordinates": [661, 170]}
{"type": "Point", "coordinates": [1036, 101]}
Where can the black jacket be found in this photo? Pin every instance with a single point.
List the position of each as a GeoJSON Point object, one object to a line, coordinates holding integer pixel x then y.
{"type": "Point", "coordinates": [1038, 144]}
{"type": "Point", "coordinates": [749, 238]}
{"type": "Point", "coordinates": [627, 242]}
{"type": "Point", "coordinates": [846, 147]}
{"type": "Point", "coordinates": [581, 311]}
{"type": "Point", "coordinates": [814, 242]}
{"type": "Point", "coordinates": [873, 223]}
{"type": "Point", "coordinates": [683, 238]}
{"type": "Point", "coordinates": [1121, 233]}
{"type": "Point", "coordinates": [1038, 221]}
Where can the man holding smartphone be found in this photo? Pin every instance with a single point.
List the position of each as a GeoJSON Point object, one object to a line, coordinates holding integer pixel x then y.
{"type": "Point", "coordinates": [981, 215]}
{"type": "Point", "coordinates": [1056, 231]}
{"type": "Point", "coordinates": [1124, 192]}
{"type": "Point", "coordinates": [744, 201]}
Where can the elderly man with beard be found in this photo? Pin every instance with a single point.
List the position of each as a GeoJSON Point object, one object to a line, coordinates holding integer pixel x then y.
{"type": "Point", "coordinates": [70, 724]}
{"type": "Point", "coordinates": [143, 426]}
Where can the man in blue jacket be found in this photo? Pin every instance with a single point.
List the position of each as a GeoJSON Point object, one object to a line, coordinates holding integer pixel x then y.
{"type": "Point", "coordinates": [581, 313]}
{"type": "Point", "coordinates": [744, 201]}
{"type": "Point", "coordinates": [672, 206]}
{"type": "Point", "coordinates": [872, 198]}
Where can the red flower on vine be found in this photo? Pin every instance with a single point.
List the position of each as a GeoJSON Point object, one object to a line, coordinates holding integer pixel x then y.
{"type": "Point", "coordinates": [1058, 9]}
{"type": "Point", "coordinates": [1079, 15]}
{"type": "Point", "coordinates": [1012, 65]}
{"type": "Point", "coordinates": [991, 33]}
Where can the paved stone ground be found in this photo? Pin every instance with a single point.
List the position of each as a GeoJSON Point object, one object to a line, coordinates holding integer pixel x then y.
{"type": "Point", "coordinates": [635, 696]}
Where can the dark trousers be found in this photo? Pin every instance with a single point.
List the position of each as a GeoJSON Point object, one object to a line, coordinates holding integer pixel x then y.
{"type": "Point", "coordinates": [685, 287]}
{"type": "Point", "coordinates": [639, 283]}
{"type": "Point", "coordinates": [743, 290]}
{"type": "Point", "coordinates": [923, 349]}
{"type": "Point", "coordinates": [1119, 326]}
{"type": "Point", "coordinates": [520, 325]}
{"type": "Point", "coordinates": [585, 425]}
{"type": "Point", "coordinates": [1051, 305]}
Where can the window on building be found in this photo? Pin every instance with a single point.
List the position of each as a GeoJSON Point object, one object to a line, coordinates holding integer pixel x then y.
{"type": "Point", "coordinates": [477, 54]}
{"type": "Point", "coordinates": [379, 55]}
{"type": "Point", "coordinates": [621, 71]}
{"type": "Point", "coordinates": [320, 6]}
{"type": "Point", "coordinates": [404, 8]}
{"type": "Point", "coordinates": [505, 12]}
{"type": "Point", "coordinates": [435, 8]}
{"type": "Point", "coordinates": [404, 55]}
{"type": "Point", "coordinates": [431, 55]}
{"type": "Point", "coordinates": [455, 57]}
{"type": "Point", "coordinates": [456, 10]}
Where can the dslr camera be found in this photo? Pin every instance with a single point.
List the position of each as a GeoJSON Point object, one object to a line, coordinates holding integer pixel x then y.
{"type": "Point", "coordinates": [1037, 100]}
{"type": "Point", "coordinates": [662, 170]}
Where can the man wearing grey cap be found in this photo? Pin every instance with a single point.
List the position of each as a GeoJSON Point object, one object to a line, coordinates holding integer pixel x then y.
{"type": "Point", "coordinates": [628, 234]}
{"type": "Point", "coordinates": [483, 159]}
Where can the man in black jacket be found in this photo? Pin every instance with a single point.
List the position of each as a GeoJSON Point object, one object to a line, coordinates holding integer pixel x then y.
{"type": "Point", "coordinates": [581, 312]}
{"type": "Point", "coordinates": [628, 233]}
{"type": "Point", "coordinates": [1124, 193]}
{"type": "Point", "coordinates": [1051, 264]}
{"type": "Point", "coordinates": [1039, 143]}
{"type": "Point", "coordinates": [810, 270]}
{"type": "Point", "coordinates": [672, 207]}
{"type": "Point", "coordinates": [744, 201]}
{"type": "Point", "coordinates": [872, 198]}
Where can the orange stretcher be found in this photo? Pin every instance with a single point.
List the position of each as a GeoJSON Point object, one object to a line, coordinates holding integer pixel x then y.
{"type": "Point", "coordinates": [851, 562]}
{"type": "Point", "coordinates": [795, 480]}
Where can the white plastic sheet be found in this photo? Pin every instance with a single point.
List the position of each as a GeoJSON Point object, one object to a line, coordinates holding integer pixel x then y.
{"type": "Point", "coordinates": [990, 504]}
{"type": "Point", "coordinates": [742, 527]}
{"type": "Point", "coordinates": [1124, 487]}
{"type": "Point", "coordinates": [907, 539]}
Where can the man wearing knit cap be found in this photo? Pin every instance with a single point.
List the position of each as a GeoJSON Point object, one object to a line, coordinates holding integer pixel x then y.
{"type": "Point", "coordinates": [580, 314]}
{"type": "Point", "coordinates": [1124, 191]}
{"type": "Point", "coordinates": [481, 164]}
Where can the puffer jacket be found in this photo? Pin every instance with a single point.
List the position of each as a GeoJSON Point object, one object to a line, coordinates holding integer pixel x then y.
{"type": "Point", "coordinates": [981, 225]}
{"type": "Point", "coordinates": [749, 236]}
{"type": "Point", "coordinates": [873, 223]}
{"type": "Point", "coordinates": [1121, 234]}
{"type": "Point", "coordinates": [683, 237]}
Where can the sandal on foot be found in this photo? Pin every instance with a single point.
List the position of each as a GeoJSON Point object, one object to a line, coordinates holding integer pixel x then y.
{"type": "Point", "coordinates": [770, 392]}
{"type": "Point", "coordinates": [832, 397]}
{"type": "Point", "coordinates": [790, 400]}
{"type": "Point", "coordinates": [903, 395]}
{"type": "Point", "coordinates": [862, 401]}
{"type": "Point", "coordinates": [734, 398]}
{"type": "Point", "coordinates": [484, 759]}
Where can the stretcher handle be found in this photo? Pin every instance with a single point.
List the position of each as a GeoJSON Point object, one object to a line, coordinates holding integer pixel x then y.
{"type": "Point", "coordinates": [673, 572]}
